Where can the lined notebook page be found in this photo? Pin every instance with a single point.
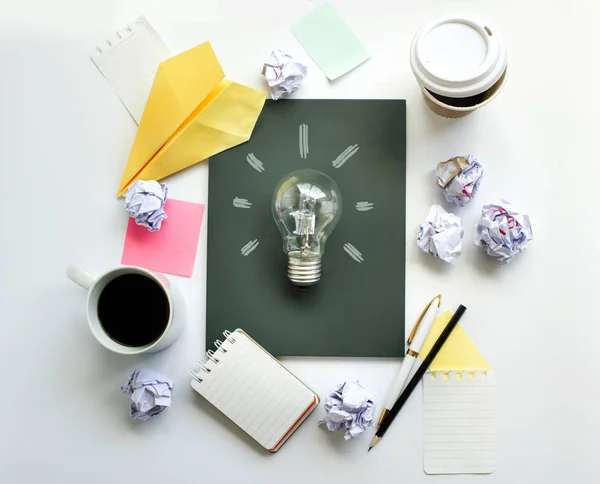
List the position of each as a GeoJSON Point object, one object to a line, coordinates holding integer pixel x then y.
{"type": "Point", "coordinates": [251, 388]}
{"type": "Point", "coordinates": [129, 60]}
{"type": "Point", "coordinates": [459, 422]}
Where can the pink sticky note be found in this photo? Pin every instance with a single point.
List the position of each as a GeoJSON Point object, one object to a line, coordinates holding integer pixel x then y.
{"type": "Point", "coordinates": [172, 249]}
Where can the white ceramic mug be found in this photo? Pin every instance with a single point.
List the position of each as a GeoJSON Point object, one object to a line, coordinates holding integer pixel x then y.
{"type": "Point", "coordinates": [95, 286]}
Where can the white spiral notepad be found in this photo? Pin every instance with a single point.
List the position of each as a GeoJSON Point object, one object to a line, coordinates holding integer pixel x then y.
{"type": "Point", "coordinates": [253, 389]}
{"type": "Point", "coordinates": [459, 422]}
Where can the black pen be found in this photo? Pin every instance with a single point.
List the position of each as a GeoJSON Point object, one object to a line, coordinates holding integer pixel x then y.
{"type": "Point", "coordinates": [418, 375]}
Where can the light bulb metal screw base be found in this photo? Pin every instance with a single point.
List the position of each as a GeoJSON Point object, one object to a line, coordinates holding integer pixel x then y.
{"type": "Point", "coordinates": [304, 271]}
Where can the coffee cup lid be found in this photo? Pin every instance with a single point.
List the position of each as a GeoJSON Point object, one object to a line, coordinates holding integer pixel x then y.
{"type": "Point", "coordinates": [458, 56]}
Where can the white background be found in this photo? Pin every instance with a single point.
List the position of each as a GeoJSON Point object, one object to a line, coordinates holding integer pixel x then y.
{"type": "Point", "coordinates": [64, 140]}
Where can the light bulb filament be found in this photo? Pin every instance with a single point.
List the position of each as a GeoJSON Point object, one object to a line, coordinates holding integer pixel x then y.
{"type": "Point", "coordinates": [306, 208]}
{"type": "Point", "coordinates": [305, 244]}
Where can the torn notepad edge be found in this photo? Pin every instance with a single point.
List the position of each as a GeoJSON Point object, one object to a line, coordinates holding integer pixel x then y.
{"type": "Point", "coordinates": [459, 422]}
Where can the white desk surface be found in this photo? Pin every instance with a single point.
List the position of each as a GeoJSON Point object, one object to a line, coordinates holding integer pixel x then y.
{"type": "Point", "coordinates": [64, 140]}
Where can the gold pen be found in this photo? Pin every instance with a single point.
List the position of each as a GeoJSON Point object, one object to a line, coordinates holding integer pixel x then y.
{"type": "Point", "coordinates": [415, 343]}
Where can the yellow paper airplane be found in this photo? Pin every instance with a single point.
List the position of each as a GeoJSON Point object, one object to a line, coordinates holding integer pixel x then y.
{"type": "Point", "coordinates": [458, 353]}
{"type": "Point", "coordinates": [192, 113]}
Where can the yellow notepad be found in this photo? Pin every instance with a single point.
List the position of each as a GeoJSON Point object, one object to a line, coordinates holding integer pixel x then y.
{"type": "Point", "coordinates": [458, 353]}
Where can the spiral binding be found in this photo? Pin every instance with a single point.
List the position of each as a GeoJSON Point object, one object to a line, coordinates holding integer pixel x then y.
{"type": "Point", "coordinates": [211, 356]}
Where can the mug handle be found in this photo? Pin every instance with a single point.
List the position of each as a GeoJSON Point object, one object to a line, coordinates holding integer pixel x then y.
{"type": "Point", "coordinates": [81, 276]}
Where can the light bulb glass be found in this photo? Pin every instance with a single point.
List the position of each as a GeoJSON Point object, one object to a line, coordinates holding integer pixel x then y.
{"type": "Point", "coordinates": [307, 205]}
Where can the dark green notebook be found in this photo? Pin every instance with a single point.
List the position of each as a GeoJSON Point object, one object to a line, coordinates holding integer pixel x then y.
{"type": "Point", "coordinates": [357, 309]}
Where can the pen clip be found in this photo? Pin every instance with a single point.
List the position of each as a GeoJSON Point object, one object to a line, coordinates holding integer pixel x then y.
{"type": "Point", "coordinates": [420, 318]}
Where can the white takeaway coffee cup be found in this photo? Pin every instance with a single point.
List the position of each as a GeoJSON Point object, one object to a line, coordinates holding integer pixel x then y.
{"type": "Point", "coordinates": [460, 64]}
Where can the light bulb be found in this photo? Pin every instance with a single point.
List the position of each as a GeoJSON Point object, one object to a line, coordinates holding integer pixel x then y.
{"type": "Point", "coordinates": [307, 205]}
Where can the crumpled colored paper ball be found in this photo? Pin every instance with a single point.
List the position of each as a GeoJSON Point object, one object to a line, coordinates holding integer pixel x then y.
{"type": "Point", "coordinates": [150, 393]}
{"type": "Point", "coordinates": [441, 234]}
{"type": "Point", "coordinates": [145, 201]}
{"type": "Point", "coordinates": [502, 231]}
{"type": "Point", "coordinates": [283, 74]}
{"type": "Point", "coordinates": [459, 178]}
{"type": "Point", "coordinates": [351, 408]}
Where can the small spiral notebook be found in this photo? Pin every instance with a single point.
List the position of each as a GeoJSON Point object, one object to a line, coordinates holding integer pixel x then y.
{"type": "Point", "coordinates": [253, 389]}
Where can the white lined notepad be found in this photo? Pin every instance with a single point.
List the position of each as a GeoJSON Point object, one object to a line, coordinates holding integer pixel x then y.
{"type": "Point", "coordinates": [459, 422]}
{"type": "Point", "coordinates": [254, 390]}
{"type": "Point", "coordinates": [129, 60]}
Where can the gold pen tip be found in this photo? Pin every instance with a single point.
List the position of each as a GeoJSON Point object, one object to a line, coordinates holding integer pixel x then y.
{"type": "Point", "coordinates": [439, 298]}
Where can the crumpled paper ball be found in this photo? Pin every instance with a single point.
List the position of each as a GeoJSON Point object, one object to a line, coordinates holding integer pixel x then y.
{"type": "Point", "coordinates": [283, 74]}
{"type": "Point", "coordinates": [145, 201]}
{"type": "Point", "coordinates": [150, 393]}
{"type": "Point", "coordinates": [502, 231]}
{"type": "Point", "coordinates": [459, 178]}
{"type": "Point", "coordinates": [441, 234]}
{"type": "Point", "coordinates": [351, 408]}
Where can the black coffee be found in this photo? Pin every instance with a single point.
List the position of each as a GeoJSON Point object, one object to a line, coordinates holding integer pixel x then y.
{"type": "Point", "coordinates": [466, 102]}
{"type": "Point", "coordinates": [133, 310]}
{"type": "Point", "coordinates": [461, 102]}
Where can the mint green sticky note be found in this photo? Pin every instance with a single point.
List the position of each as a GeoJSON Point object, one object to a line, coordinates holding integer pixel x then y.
{"type": "Point", "coordinates": [330, 42]}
